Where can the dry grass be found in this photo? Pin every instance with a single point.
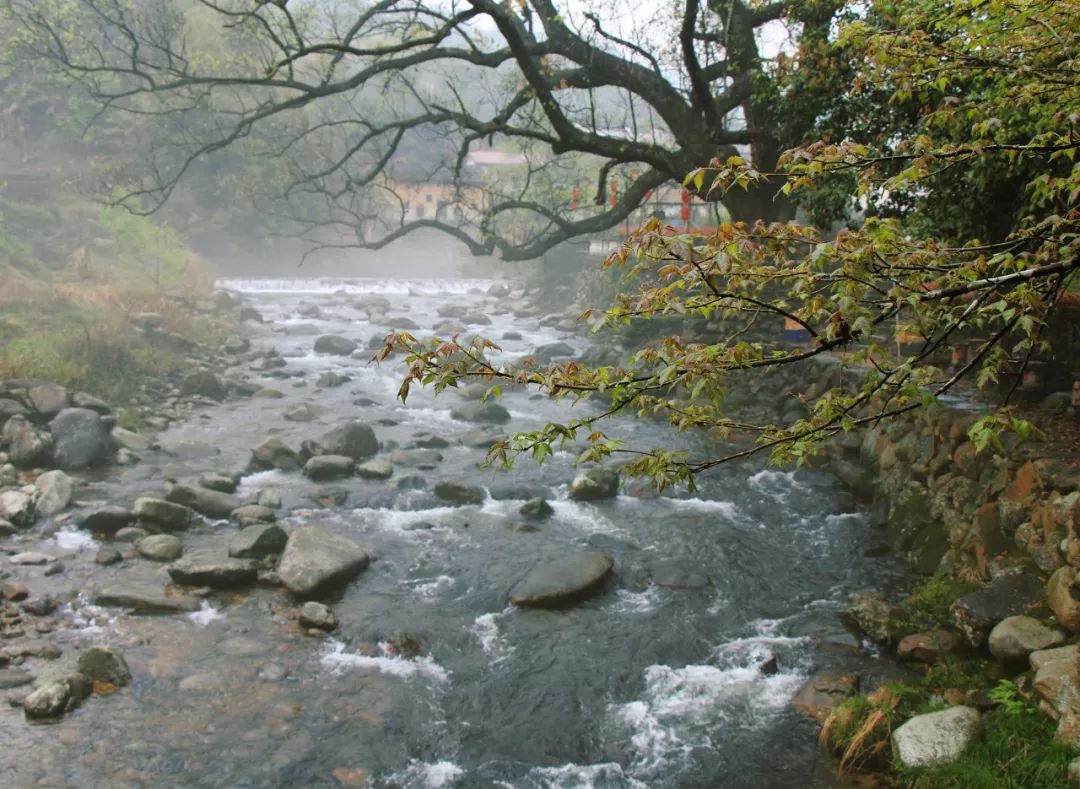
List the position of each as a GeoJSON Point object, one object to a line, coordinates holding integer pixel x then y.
{"type": "Point", "coordinates": [860, 729]}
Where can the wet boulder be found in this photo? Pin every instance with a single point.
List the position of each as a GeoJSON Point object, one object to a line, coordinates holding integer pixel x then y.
{"type": "Point", "coordinates": [456, 493]}
{"type": "Point", "coordinates": [273, 453]}
{"type": "Point", "coordinates": [536, 509]}
{"type": "Point", "coordinates": [481, 412]}
{"type": "Point", "coordinates": [203, 569]}
{"type": "Point", "coordinates": [823, 693]}
{"type": "Point", "coordinates": [595, 484]}
{"type": "Point", "coordinates": [205, 384]}
{"type": "Point", "coordinates": [563, 580]}
{"type": "Point", "coordinates": [353, 439]}
{"type": "Point", "coordinates": [316, 558]}
{"type": "Point", "coordinates": [324, 467]}
{"type": "Point", "coordinates": [103, 664]}
{"type": "Point", "coordinates": [107, 520]}
{"type": "Point", "coordinates": [160, 547]}
{"type": "Point", "coordinates": [80, 439]}
{"type": "Point", "coordinates": [258, 541]}
{"type": "Point", "coordinates": [252, 513]}
{"type": "Point", "coordinates": [17, 507]}
{"type": "Point", "coordinates": [48, 399]}
{"type": "Point", "coordinates": [335, 344]}
{"type": "Point", "coordinates": [317, 616]}
{"type": "Point", "coordinates": [10, 408]}
{"type": "Point", "coordinates": [129, 439]}
{"type": "Point", "coordinates": [552, 352]}
{"type": "Point", "coordinates": [86, 400]}
{"type": "Point", "coordinates": [54, 492]}
{"type": "Point", "coordinates": [27, 445]}
{"type": "Point", "coordinates": [145, 600]}
{"type": "Point", "coordinates": [211, 503]}
{"type": "Point", "coordinates": [375, 469]}
{"type": "Point", "coordinates": [163, 514]}
{"type": "Point", "coordinates": [223, 483]}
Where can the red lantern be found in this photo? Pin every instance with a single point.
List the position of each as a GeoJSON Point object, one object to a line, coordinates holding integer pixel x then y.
{"type": "Point", "coordinates": [684, 212]}
{"type": "Point", "coordinates": [575, 199]}
{"type": "Point", "coordinates": [614, 193]}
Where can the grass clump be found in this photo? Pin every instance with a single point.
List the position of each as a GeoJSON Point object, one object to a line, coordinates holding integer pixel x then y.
{"type": "Point", "coordinates": [927, 607]}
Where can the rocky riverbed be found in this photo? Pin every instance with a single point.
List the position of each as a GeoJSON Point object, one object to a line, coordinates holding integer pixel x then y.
{"type": "Point", "coordinates": [302, 581]}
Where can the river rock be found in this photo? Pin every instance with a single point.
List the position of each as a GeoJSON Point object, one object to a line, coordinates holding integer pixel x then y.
{"type": "Point", "coordinates": [873, 614]}
{"type": "Point", "coordinates": [252, 513]}
{"type": "Point", "coordinates": [323, 467]}
{"type": "Point", "coordinates": [335, 344]}
{"type": "Point", "coordinates": [163, 514]}
{"type": "Point", "coordinates": [352, 439]}
{"type": "Point", "coordinates": [103, 664]}
{"type": "Point", "coordinates": [595, 484]}
{"type": "Point", "coordinates": [316, 558]}
{"type": "Point", "coordinates": [671, 574]}
{"type": "Point", "coordinates": [976, 613]}
{"type": "Point", "coordinates": [331, 380]}
{"type": "Point", "coordinates": [1058, 683]}
{"type": "Point", "coordinates": [318, 616]}
{"type": "Point", "coordinates": [211, 503]}
{"type": "Point", "coordinates": [222, 483]}
{"type": "Point", "coordinates": [416, 458]}
{"type": "Point", "coordinates": [234, 343]}
{"type": "Point", "coordinates": [86, 400]}
{"type": "Point", "coordinates": [1043, 656]}
{"type": "Point", "coordinates": [48, 399]}
{"type": "Point", "coordinates": [80, 439]}
{"type": "Point", "coordinates": [302, 412]}
{"type": "Point", "coordinates": [1014, 638]}
{"type": "Point", "coordinates": [50, 700]}
{"type": "Point", "coordinates": [31, 558]}
{"type": "Point", "coordinates": [536, 509]}
{"type": "Point", "coordinates": [936, 737]}
{"type": "Point", "coordinates": [562, 580]}
{"type": "Point", "coordinates": [160, 547]}
{"type": "Point", "coordinates": [54, 492]}
{"type": "Point", "coordinates": [270, 498]}
{"type": "Point", "coordinates": [14, 678]}
{"type": "Point", "coordinates": [552, 352]}
{"type": "Point", "coordinates": [109, 519]}
{"type": "Point", "coordinates": [1063, 597]}
{"type": "Point", "coordinates": [205, 384]}
{"type": "Point", "coordinates": [823, 692]}
{"type": "Point", "coordinates": [17, 507]}
{"type": "Point", "coordinates": [483, 412]}
{"type": "Point", "coordinates": [28, 446]}
{"type": "Point", "coordinates": [456, 493]}
{"type": "Point", "coordinates": [203, 569]}
{"type": "Point", "coordinates": [932, 647]}
{"type": "Point", "coordinates": [9, 408]}
{"type": "Point", "coordinates": [375, 469]}
{"type": "Point", "coordinates": [273, 453]}
{"type": "Point", "coordinates": [145, 600]}
{"type": "Point", "coordinates": [257, 541]}
{"type": "Point", "coordinates": [130, 440]}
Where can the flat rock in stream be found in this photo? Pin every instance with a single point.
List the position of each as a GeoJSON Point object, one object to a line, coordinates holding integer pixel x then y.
{"type": "Point", "coordinates": [163, 514]}
{"type": "Point", "coordinates": [107, 520]}
{"type": "Point", "coordinates": [335, 344]}
{"type": "Point", "coordinates": [211, 503]}
{"type": "Point", "coordinates": [562, 580]}
{"type": "Point", "coordinates": [323, 467]}
{"type": "Point", "coordinates": [316, 558]}
{"type": "Point", "coordinates": [202, 569]}
{"type": "Point", "coordinates": [145, 600]}
{"type": "Point", "coordinates": [257, 541]}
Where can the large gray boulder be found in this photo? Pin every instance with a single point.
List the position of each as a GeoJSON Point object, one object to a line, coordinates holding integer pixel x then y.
{"type": "Point", "coordinates": [274, 453]}
{"type": "Point", "coordinates": [481, 412]}
{"type": "Point", "coordinates": [54, 492]}
{"type": "Point", "coordinates": [315, 558]}
{"type": "Point", "coordinates": [211, 503]}
{"type": "Point", "coordinates": [353, 439]}
{"type": "Point", "coordinates": [595, 484]}
{"type": "Point", "coordinates": [107, 520]}
{"type": "Point", "coordinates": [205, 384]}
{"type": "Point", "coordinates": [160, 547]}
{"type": "Point", "coordinates": [27, 445]}
{"type": "Point", "coordinates": [323, 467]}
{"type": "Point", "coordinates": [257, 541]}
{"type": "Point", "coordinates": [80, 438]}
{"type": "Point", "coordinates": [335, 344]}
{"type": "Point", "coordinates": [202, 569]}
{"type": "Point", "coordinates": [562, 580]}
{"type": "Point", "coordinates": [976, 613]}
{"type": "Point", "coordinates": [1013, 639]}
{"type": "Point", "coordinates": [17, 508]}
{"type": "Point", "coordinates": [163, 514]}
{"type": "Point", "coordinates": [936, 737]}
{"type": "Point", "coordinates": [48, 399]}
{"type": "Point", "coordinates": [145, 600]}
{"type": "Point", "coordinates": [456, 493]}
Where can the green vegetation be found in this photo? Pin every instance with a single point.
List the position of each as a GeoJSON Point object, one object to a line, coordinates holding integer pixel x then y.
{"type": "Point", "coordinates": [1016, 749]}
{"type": "Point", "coordinates": [927, 607]}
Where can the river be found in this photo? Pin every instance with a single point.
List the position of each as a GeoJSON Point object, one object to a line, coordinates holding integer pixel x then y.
{"type": "Point", "coordinates": [641, 685]}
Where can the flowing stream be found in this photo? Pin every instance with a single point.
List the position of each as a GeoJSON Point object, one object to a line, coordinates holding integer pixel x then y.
{"type": "Point", "coordinates": [652, 682]}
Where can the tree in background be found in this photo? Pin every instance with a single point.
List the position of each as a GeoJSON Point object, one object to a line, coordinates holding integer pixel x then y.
{"type": "Point", "coordinates": [997, 87]}
{"type": "Point", "coordinates": [347, 100]}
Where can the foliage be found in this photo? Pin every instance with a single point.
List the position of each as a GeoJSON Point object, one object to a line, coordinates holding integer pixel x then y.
{"type": "Point", "coordinates": [1016, 751]}
{"type": "Point", "coordinates": [927, 607]}
{"type": "Point", "coordinates": [860, 727]}
{"type": "Point", "coordinates": [891, 300]}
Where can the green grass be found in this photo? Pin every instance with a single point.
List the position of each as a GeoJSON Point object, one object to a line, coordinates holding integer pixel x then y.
{"type": "Point", "coordinates": [927, 607]}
